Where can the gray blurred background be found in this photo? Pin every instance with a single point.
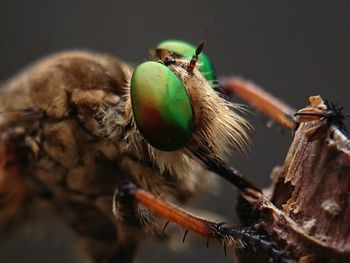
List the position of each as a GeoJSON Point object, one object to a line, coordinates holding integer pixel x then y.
{"type": "Point", "coordinates": [292, 48]}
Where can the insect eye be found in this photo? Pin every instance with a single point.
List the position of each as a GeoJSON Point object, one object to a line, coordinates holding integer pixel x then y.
{"type": "Point", "coordinates": [161, 106]}
{"type": "Point", "coordinates": [187, 50]}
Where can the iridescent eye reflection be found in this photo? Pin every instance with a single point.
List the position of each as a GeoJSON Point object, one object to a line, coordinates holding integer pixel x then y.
{"type": "Point", "coordinates": [161, 106]}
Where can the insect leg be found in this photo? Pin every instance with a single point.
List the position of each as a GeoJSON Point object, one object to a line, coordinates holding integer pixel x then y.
{"type": "Point", "coordinates": [229, 236]}
{"type": "Point", "coordinates": [261, 100]}
{"type": "Point", "coordinates": [167, 211]}
{"type": "Point", "coordinates": [229, 173]}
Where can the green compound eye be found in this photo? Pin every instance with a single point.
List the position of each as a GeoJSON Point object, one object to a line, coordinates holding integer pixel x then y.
{"type": "Point", "coordinates": [161, 107]}
{"type": "Point", "coordinates": [187, 50]}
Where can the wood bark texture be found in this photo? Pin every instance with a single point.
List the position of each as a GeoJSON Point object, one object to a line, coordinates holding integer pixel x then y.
{"type": "Point", "coordinates": [308, 209]}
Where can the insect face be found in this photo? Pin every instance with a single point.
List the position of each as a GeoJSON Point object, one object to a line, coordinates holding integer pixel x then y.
{"type": "Point", "coordinates": [174, 104]}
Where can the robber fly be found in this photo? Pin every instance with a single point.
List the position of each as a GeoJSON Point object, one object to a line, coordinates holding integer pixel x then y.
{"type": "Point", "coordinates": [77, 125]}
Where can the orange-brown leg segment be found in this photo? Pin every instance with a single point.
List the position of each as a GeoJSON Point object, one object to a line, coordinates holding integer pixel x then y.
{"type": "Point", "coordinates": [236, 237]}
{"type": "Point", "coordinates": [261, 100]}
{"type": "Point", "coordinates": [168, 211]}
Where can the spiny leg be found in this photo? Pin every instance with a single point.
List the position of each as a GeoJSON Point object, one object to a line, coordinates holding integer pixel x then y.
{"type": "Point", "coordinates": [130, 192]}
{"type": "Point", "coordinates": [229, 236]}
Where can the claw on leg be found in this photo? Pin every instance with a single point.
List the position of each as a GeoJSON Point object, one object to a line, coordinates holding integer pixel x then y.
{"type": "Point", "coordinates": [168, 211]}
{"type": "Point", "coordinates": [228, 236]}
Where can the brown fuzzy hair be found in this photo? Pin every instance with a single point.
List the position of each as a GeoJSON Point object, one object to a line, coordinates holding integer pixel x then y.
{"type": "Point", "coordinates": [217, 128]}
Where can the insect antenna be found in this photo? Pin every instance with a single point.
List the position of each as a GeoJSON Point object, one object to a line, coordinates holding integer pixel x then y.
{"type": "Point", "coordinates": [200, 46]}
{"type": "Point", "coordinates": [194, 58]}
